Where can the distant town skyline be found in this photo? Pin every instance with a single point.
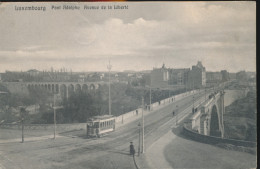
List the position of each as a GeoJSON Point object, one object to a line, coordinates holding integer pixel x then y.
{"type": "Point", "coordinates": [222, 35]}
{"type": "Point", "coordinates": [71, 70]}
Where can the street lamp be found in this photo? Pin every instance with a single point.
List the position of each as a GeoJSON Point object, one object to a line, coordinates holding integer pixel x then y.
{"type": "Point", "coordinates": [150, 107]}
{"type": "Point", "coordinates": [109, 67]}
{"type": "Point", "coordinates": [176, 122]}
{"type": "Point", "coordinates": [54, 113]}
{"type": "Point", "coordinates": [143, 125]}
{"type": "Point", "coordinates": [22, 114]}
{"type": "Point", "coordinates": [139, 127]}
{"type": "Point", "coordinates": [54, 116]}
{"type": "Point", "coordinates": [122, 115]}
{"type": "Point", "coordinates": [205, 94]}
{"type": "Point", "coordinates": [193, 104]}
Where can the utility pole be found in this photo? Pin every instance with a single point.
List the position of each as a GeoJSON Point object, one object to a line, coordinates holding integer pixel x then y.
{"type": "Point", "coordinates": [193, 111]}
{"type": "Point", "coordinates": [169, 96]}
{"type": "Point", "coordinates": [22, 114]}
{"type": "Point", "coordinates": [22, 130]}
{"type": "Point", "coordinates": [150, 99]}
{"type": "Point", "coordinates": [122, 115]}
{"type": "Point", "coordinates": [205, 94]}
{"type": "Point", "coordinates": [109, 67]}
{"type": "Point", "coordinates": [193, 85]}
{"type": "Point", "coordinates": [54, 116]}
{"type": "Point", "coordinates": [143, 125]}
{"type": "Point", "coordinates": [176, 119]}
{"type": "Point", "coordinates": [139, 127]}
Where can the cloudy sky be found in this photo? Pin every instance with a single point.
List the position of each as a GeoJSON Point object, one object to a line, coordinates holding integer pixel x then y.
{"type": "Point", "coordinates": [220, 34]}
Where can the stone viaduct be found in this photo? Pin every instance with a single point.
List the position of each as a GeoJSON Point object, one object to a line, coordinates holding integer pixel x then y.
{"type": "Point", "coordinates": [64, 89]}
{"type": "Point", "coordinates": [208, 119]}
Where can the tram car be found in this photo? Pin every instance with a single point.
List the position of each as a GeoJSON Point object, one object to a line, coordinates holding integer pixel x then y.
{"type": "Point", "coordinates": [98, 126]}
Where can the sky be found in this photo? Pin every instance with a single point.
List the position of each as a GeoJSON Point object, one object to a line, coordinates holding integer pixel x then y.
{"type": "Point", "coordinates": [222, 35]}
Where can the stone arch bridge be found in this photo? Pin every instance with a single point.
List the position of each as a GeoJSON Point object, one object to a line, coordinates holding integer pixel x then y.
{"type": "Point", "coordinates": [65, 89]}
{"type": "Point", "coordinates": [208, 120]}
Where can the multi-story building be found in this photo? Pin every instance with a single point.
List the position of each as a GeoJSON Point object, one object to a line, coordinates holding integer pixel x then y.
{"type": "Point", "coordinates": [197, 76]}
{"type": "Point", "coordinates": [241, 76]}
{"type": "Point", "coordinates": [225, 75]}
{"type": "Point", "coordinates": [213, 77]}
{"type": "Point", "coordinates": [159, 77]}
{"type": "Point", "coordinates": [178, 76]}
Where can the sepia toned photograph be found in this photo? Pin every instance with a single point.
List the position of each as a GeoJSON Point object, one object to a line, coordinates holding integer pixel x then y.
{"type": "Point", "coordinates": [128, 85]}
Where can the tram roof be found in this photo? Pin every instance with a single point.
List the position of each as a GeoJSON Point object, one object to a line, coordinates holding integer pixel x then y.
{"type": "Point", "coordinates": [101, 117]}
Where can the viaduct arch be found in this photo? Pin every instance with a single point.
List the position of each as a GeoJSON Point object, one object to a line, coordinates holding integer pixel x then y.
{"type": "Point", "coordinates": [208, 120]}
{"type": "Point", "coordinates": [65, 89]}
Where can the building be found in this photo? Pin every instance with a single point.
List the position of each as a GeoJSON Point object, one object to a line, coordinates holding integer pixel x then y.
{"type": "Point", "coordinates": [178, 76]}
{"type": "Point", "coordinates": [33, 72]}
{"type": "Point", "coordinates": [241, 76]}
{"type": "Point", "coordinates": [197, 76]}
{"type": "Point", "coordinates": [159, 77]}
{"type": "Point", "coordinates": [232, 76]}
{"type": "Point", "coordinates": [213, 77]}
{"type": "Point", "coordinates": [225, 76]}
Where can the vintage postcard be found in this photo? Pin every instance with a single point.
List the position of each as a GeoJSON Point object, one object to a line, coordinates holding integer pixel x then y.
{"type": "Point", "coordinates": [137, 85]}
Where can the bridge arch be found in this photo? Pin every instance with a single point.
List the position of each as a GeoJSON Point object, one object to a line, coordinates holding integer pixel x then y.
{"type": "Point", "coordinates": [49, 87]}
{"type": "Point", "coordinates": [214, 122]}
{"type": "Point", "coordinates": [92, 87]}
{"type": "Point", "coordinates": [52, 88]}
{"type": "Point", "coordinates": [56, 88]}
{"type": "Point", "coordinates": [63, 90]}
{"type": "Point", "coordinates": [84, 88]}
{"type": "Point", "coordinates": [77, 88]}
{"type": "Point", "coordinates": [70, 90]}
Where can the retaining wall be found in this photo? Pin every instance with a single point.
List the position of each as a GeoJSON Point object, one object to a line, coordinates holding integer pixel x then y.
{"type": "Point", "coordinates": [215, 140]}
{"type": "Point", "coordinates": [59, 127]}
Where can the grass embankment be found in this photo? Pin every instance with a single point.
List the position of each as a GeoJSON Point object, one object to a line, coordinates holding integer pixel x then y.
{"type": "Point", "coordinates": [240, 121]}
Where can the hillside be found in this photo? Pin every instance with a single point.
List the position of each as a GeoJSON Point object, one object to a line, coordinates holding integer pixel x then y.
{"type": "Point", "coordinates": [240, 118]}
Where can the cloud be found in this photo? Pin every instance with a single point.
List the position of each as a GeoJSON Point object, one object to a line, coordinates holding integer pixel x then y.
{"type": "Point", "coordinates": [180, 32]}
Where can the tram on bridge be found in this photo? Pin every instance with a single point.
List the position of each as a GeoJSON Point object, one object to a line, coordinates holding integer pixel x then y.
{"type": "Point", "coordinates": [99, 126]}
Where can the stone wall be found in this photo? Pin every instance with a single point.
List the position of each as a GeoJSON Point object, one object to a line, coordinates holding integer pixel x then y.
{"type": "Point", "coordinates": [59, 127]}
{"type": "Point", "coordinates": [215, 140]}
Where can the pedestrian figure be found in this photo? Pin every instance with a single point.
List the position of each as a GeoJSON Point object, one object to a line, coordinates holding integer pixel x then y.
{"type": "Point", "coordinates": [173, 113]}
{"type": "Point", "coordinates": [132, 149]}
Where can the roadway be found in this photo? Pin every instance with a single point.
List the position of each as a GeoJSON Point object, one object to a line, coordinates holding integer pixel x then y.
{"type": "Point", "coordinates": [73, 150]}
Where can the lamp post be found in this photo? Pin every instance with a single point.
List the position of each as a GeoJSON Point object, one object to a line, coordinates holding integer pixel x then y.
{"type": "Point", "coordinates": [109, 67]}
{"type": "Point", "coordinates": [193, 104]}
{"type": "Point", "coordinates": [123, 115]}
{"type": "Point", "coordinates": [22, 114]}
{"type": "Point", "coordinates": [150, 107]}
{"type": "Point", "coordinates": [176, 119]}
{"type": "Point", "coordinates": [139, 127]}
{"type": "Point", "coordinates": [143, 125]}
{"type": "Point", "coordinates": [54, 117]}
{"type": "Point", "coordinates": [205, 94]}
